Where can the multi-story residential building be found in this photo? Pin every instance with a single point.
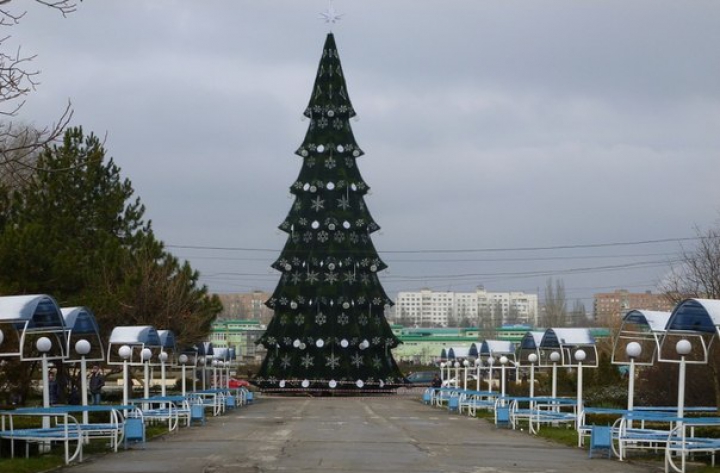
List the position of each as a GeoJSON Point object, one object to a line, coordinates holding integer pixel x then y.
{"type": "Point", "coordinates": [427, 308]}
{"type": "Point", "coordinates": [247, 305]}
{"type": "Point", "coordinates": [610, 307]}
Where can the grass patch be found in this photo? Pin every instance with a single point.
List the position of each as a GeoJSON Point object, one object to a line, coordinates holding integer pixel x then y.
{"type": "Point", "coordinates": [55, 458]}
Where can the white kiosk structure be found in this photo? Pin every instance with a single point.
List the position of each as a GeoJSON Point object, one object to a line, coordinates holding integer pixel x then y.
{"type": "Point", "coordinates": [24, 320]}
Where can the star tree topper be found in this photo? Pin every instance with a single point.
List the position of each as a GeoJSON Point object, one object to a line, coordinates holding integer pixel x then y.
{"type": "Point", "coordinates": [331, 16]}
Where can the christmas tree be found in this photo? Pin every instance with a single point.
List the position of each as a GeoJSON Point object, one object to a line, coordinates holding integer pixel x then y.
{"type": "Point", "coordinates": [328, 331]}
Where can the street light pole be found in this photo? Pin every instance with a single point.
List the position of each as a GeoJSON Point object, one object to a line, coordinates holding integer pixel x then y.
{"type": "Point", "coordinates": [125, 352]}
{"type": "Point", "coordinates": [44, 345]}
{"type": "Point", "coordinates": [82, 347]}
{"type": "Point", "coordinates": [163, 359]}
{"type": "Point", "coordinates": [580, 356]}
{"type": "Point", "coordinates": [532, 358]}
{"type": "Point", "coordinates": [145, 356]}
{"type": "Point", "coordinates": [466, 363]}
{"type": "Point", "coordinates": [183, 359]}
{"type": "Point", "coordinates": [683, 348]}
{"type": "Point", "coordinates": [503, 384]}
{"type": "Point", "coordinates": [554, 357]}
{"type": "Point", "coordinates": [491, 362]}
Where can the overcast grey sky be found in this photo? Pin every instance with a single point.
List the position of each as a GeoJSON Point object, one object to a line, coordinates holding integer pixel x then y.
{"type": "Point", "coordinates": [498, 124]}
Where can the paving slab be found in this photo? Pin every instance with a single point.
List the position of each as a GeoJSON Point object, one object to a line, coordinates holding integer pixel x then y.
{"type": "Point", "coordinates": [390, 434]}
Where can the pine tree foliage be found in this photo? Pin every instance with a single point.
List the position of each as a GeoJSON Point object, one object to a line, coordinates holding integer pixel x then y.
{"type": "Point", "coordinates": [77, 232]}
{"type": "Point", "coordinates": [329, 330]}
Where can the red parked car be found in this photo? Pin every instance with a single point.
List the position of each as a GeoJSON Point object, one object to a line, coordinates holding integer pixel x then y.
{"type": "Point", "coordinates": [238, 383]}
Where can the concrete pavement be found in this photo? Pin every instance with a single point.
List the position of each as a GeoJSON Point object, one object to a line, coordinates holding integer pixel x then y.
{"type": "Point", "coordinates": [395, 434]}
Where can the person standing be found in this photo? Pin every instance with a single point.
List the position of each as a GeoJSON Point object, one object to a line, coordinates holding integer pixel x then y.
{"type": "Point", "coordinates": [97, 381]}
{"type": "Point", "coordinates": [53, 389]}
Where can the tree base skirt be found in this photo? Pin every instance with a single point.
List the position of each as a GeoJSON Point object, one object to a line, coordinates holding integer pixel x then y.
{"type": "Point", "coordinates": [310, 391]}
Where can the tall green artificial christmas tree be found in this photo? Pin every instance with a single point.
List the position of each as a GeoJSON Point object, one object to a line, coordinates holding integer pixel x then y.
{"type": "Point", "coordinates": [329, 331]}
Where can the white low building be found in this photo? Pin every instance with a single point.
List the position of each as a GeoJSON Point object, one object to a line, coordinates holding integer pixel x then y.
{"type": "Point", "coordinates": [480, 308]}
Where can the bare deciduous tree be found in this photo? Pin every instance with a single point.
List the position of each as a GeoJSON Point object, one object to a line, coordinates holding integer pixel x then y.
{"type": "Point", "coordinates": [555, 304]}
{"type": "Point", "coordinates": [698, 276]}
{"type": "Point", "coordinates": [18, 143]}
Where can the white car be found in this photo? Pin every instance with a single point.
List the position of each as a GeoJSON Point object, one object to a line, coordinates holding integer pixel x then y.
{"type": "Point", "coordinates": [471, 381]}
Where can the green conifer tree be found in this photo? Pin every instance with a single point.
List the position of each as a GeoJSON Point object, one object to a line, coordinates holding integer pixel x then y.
{"type": "Point", "coordinates": [329, 330]}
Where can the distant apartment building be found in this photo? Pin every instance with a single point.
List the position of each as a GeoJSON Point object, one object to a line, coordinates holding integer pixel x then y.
{"type": "Point", "coordinates": [427, 308]}
{"type": "Point", "coordinates": [247, 305]}
{"type": "Point", "coordinates": [611, 306]}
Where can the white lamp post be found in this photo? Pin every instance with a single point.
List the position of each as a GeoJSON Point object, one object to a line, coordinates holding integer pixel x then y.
{"type": "Point", "coordinates": [503, 362]}
{"type": "Point", "coordinates": [532, 358]}
{"type": "Point", "coordinates": [466, 363]}
{"type": "Point", "coordinates": [580, 356]}
{"type": "Point", "coordinates": [442, 373]}
{"type": "Point", "coordinates": [478, 365]}
{"type": "Point", "coordinates": [554, 357]}
{"type": "Point", "coordinates": [145, 356]}
{"type": "Point", "coordinates": [163, 359]}
{"type": "Point", "coordinates": [44, 345]}
{"type": "Point", "coordinates": [457, 374]}
{"type": "Point", "coordinates": [183, 359]}
{"type": "Point", "coordinates": [201, 362]}
{"type": "Point", "coordinates": [214, 368]}
{"type": "Point", "coordinates": [82, 348]}
{"type": "Point", "coordinates": [683, 348]}
{"type": "Point", "coordinates": [633, 350]}
{"type": "Point", "coordinates": [125, 352]}
{"type": "Point", "coordinates": [490, 362]}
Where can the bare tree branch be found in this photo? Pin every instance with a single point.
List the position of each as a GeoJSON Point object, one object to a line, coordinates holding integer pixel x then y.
{"type": "Point", "coordinates": [20, 144]}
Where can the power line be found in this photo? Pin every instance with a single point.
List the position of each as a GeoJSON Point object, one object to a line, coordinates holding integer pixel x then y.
{"type": "Point", "coordinates": [475, 250]}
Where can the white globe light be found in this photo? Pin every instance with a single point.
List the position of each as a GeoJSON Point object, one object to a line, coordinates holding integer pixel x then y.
{"type": "Point", "coordinates": [145, 354]}
{"type": "Point", "coordinates": [303, 346]}
{"type": "Point", "coordinates": [478, 362]}
{"type": "Point", "coordinates": [163, 356]}
{"type": "Point", "coordinates": [332, 383]}
{"type": "Point", "coordinates": [683, 347]}
{"type": "Point", "coordinates": [381, 383]}
{"type": "Point", "coordinates": [124, 352]}
{"type": "Point", "coordinates": [282, 383]}
{"type": "Point", "coordinates": [183, 359]}
{"type": "Point", "coordinates": [466, 363]}
{"type": "Point", "coordinates": [43, 344]}
{"type": "Point", "coordinates": [319, 343]}
{"type": "Point", "coordinates": [442, 364]}
{"type": "Point", "coordinates": [296, 343]}
{"type": "Point", "coordinates": [359, 383]}
{"type": "Point", "coordinates": [305, 383]}
{"type": "Point", "coordinates": [554, 357]}
{"type": "Point", "coordinates": [532, 358]}
{"type": "Point", "coordinates": [457, 364]}
{"type": "Point", "coordinates": [580, 355]}
{"type": "Point", "coordinates": [633, 349]}
{"type": "Point", "coordinates": [491, 361]}
{"type": "Point", "coordinates": [503, 360]}
{"type": "Point", "coordinates": [344, 343]}
{"type": "Point", "coordinates": [82, 347]}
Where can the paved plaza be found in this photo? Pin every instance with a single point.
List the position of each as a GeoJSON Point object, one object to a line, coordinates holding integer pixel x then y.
{"type": "Point", "coordinates": [395, 434]}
